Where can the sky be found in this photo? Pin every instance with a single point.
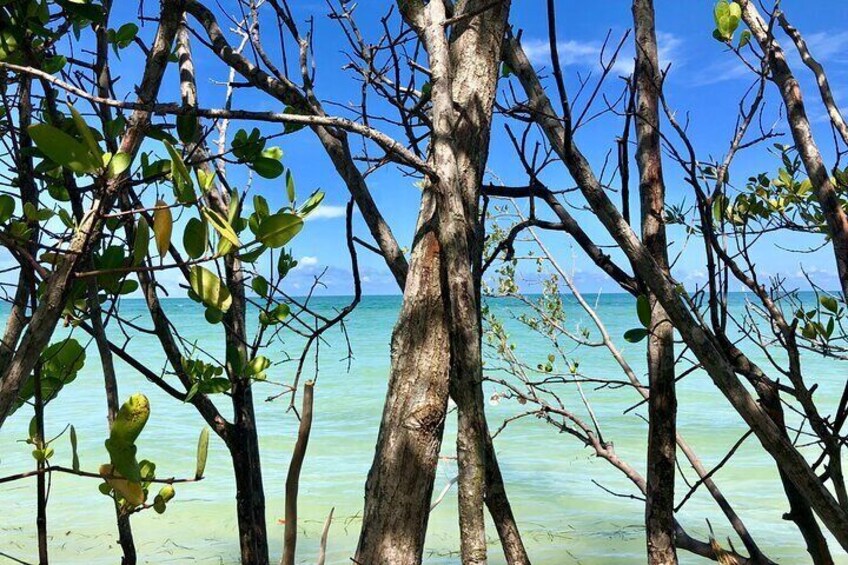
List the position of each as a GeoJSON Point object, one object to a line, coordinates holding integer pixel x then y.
{"type": "Point", "coordinates": [705, 83]}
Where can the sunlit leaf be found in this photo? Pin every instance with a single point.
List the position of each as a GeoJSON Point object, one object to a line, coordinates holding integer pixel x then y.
{"type": "Point", "coordinates": [142, 241]}
{"type": "Point", "coordinates": [179, 164]}
{"type": "Point", "coordinates": [312, 203]}
{"type": "Point", "coordinates": [221, 225]}
{"type": "Point", "coordinates": [63, 149]}
{"type": "Point", "coordinates": [267, 168]}
{"type": "Point", "coordinates": [202, 453]}
{"type": "Point", "coordinates": [119, 163]}
{"type": "Point", "coordinates": [163, 225]}
{"type": "Point", "coordinates": [209, 288]}
{"type": "Point", "coordinates": [278, 229]}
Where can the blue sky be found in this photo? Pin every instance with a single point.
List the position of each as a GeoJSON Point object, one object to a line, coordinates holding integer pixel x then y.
{"type": "Point", "coordinates": [705, 81]}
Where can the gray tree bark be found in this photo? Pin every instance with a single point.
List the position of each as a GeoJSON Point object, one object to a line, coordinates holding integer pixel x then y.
{"type": "Point", "coordinates": [662, 402]}
{"type": "Point", "coordinates": [702, 342]}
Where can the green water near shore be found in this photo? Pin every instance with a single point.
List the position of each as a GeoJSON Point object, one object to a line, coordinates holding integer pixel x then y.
{"type": "Point", "coordinates": [564, 516]}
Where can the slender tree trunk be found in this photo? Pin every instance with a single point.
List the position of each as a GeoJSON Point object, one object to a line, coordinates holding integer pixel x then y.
{"type": "Point", "coordinates": [41, 480]}
{"type": "Point", "coordinates": [293, 476]}
{"type": "Point", "coordinates": [250, 494]}
{"type": "Point", "coordinates": [451, 205]}
{"type": "Point", "coordinates": [715, 359]}
{"type": "Point", "coordinates": [400, 483]}
{"type": "Point", "coordinates": [662, 402]}
{"type": "Point", "coordinates": [125, 536]}
{"type": "Point", "coordinates": [501, 510]}
{"type": "Point", "coordinates": [800, 511]}
{"type": "Point", "coordinates": [243, 443]}
{"type": "Point", "coordinates": [474, 59]}
{"type": "Point", "coordinates": [52, 302]}
{"type": "Point", "coordinates": [799, 124]}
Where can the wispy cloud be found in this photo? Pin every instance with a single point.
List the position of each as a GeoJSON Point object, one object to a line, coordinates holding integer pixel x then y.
{"type": "Point", "coordinates": [327, 212]}
{"type": "Point", "coordinates": [587, 54]}
{"type": "Point", "coordinates": [826, 47]}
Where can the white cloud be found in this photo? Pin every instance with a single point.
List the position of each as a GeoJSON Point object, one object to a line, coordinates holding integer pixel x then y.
{"type": "Point", "coordinates": [588, 53]}
{"type": "Point", "coordinates": [826, 46]}
{"type": "Point", "coordinates": [327, 212]}
{"type": "Point", "coordinates": [307, 261]}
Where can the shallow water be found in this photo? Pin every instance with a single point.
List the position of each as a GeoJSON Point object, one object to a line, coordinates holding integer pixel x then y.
{"type": "Point", "coordinates": [564, 516]}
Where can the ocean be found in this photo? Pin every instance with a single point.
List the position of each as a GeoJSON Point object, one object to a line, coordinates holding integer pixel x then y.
{"type": "Point", "coordinates": [564, 516]}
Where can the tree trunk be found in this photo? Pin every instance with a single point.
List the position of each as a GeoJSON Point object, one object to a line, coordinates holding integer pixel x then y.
{"type": "Point", "coordinates": [703, 343]}
{"type": "Point", "coordinates": [799, 509]}
{"type": "Point", "coordinates": [400, 483]}
{"type": "Point", "coordinates": [84, 241]}
{"type": "Point", "coordinates": [662, 402]}
{"type": "Point", "coordinates": [501, 510]}
{"type": "Point", "coordinates": [250, 495]}
{"type": "Point", "coordinates": [802, 135]}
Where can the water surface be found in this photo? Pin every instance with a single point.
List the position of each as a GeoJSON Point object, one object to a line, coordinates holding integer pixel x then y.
{"type": "Point", "coordinates": [564, 516]}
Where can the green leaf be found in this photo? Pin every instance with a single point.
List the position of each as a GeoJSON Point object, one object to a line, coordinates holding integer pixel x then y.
{"type": "Point", "coordinates": [273, 153]}
{"type": "Point", "coordinates": [179, 164]}
{"type": "Point", "coordinates": [194, 238]}
{"type": "Point", "coordinates": [63, 149]}
{"type": "Point", "coordinates": [142, 240]}
{"type": "Point", "coordinates": [727, 16]}
{"type": "Point", "coordinates": [277, 230]}
{"type": "Point", "coordinates": [744, 39]}
{"type": "Point", "coordinates": [267, 168]}
{"type": "Point", "coordinates": [119, 163]}
{"type": "Point", "coordinates": [209, 288]}
{"type": "Point", "coordinates": [84, 10]}
{"type": "Point", "coordinates": [290, 186]}
{"type": "Point", "coordinates": [53, 65]}
{"type": "Point", "coordinates": [292, 127]}
{"type": "Point", "coordinates": [809, 331]}
{"type": "Point", "coordinates": [643, 309]}
{"type": "Point", "coordinates": [221, 225]}
{"type": "Point", "coordinates": [85, 133]}
{"type": "Point", "coordinates": [163, 225]}
{"type": "Point", "coordinates": [252, 256]}
{"type": "Point", "coordinates": [126, 33]}
{"type": "Point", "coordinates": [7, 208]}
{"type": "Point", "coordinates": [75, 464]}
{"type": "Point", "coordinates": [312, 203]}
{"type": "Point", "coordinates": [260, 286]}
{"type": "Point", "coordinates": [186, 127]}
{"type": "Point", "coordinates": [635, 335]}
{"type": "Point", "coordinates": [123, 456]}
{"type": "Point", "coordinates": [204, 179]}
{"type": "Point", "coordinates": [275, 316]}
{"type": "Point", "coordinates": [202, 452]}
{"type": "Point", "coordinates": [829, 303]}
{"type": "Point", "coordinates": [215, 385]}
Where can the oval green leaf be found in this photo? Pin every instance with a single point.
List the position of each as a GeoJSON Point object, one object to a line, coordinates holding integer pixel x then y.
{"type": "Point", "coordinates": [63, 149]}
{"type": "Point", "coordinates": [277, 230]}
{"type": "Point", "coordinates": [194, 238]}
{"type": "Point", "coordinates": [209, 288]}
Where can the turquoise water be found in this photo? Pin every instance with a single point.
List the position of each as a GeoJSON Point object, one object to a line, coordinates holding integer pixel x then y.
{"type": "Point", "coordinates": [564, 516]}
